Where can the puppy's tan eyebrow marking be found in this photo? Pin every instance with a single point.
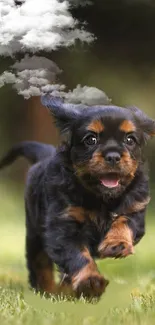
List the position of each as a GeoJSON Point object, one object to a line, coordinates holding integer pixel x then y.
{"type": "Point", "coordinates": [127, 126]}
{"type": "Point", "coordinates": [95, 126]}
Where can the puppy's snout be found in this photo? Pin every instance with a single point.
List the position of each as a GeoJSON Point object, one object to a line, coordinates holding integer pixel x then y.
{"type": "Point", "coordinates": [112, 158]}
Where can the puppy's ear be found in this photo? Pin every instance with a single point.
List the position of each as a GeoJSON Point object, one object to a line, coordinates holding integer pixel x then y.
{"type": "Point", "coordinates": [64, 114]}
{"type": "Point", "coordinates": [146, 123]}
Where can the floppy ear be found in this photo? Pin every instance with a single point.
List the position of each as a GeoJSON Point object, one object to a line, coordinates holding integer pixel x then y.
{"type": "Point", "coordinates": [146, 123]}
{"type": "Point", "coordinates": [64, 114]}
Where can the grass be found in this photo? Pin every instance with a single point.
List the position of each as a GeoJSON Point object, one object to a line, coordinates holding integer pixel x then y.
{"type": "Point", "coordinates": [129, 298]}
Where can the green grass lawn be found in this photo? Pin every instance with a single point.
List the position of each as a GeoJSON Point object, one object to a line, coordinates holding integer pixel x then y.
{"type": "Point", "coordinates": [129, 298]}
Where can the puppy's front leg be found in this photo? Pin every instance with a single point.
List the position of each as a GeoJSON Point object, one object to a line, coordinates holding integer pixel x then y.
{"type": "Point", "coordinates": [87, 280]}
{"type": "Point", "coordinates": [125, 232]}
{"type": "Point", "coordinates": [119, 240]}
{"type": "Point", "coordinates": [64, 247]}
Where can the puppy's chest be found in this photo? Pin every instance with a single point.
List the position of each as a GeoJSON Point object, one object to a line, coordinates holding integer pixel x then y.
{"type": "Point", "coordinates": [93, 222]}
{"type": "Point", "coordinates": [97, 219]}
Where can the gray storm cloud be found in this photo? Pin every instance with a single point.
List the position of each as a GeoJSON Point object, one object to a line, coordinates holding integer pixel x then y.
{"type": "Point", "coordinates": [35, 76]}
{"type": "Point", "coordinates": [32, 76]}
{"type": "Point", "coordinates": [42, 25]}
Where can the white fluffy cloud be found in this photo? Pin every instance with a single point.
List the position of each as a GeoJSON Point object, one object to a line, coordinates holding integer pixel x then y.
{"type": "Point", "coordinates": [37, 25]}
{"type": "Point", "coordinates": [87, 95]}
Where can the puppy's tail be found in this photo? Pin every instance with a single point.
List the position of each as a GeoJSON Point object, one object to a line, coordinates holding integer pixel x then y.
{"type": "Point", "coordinates": [33, 151]}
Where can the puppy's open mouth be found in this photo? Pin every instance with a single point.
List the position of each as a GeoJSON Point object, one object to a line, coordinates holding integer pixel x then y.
{"type": "Point", "coordinates": [110, 180]}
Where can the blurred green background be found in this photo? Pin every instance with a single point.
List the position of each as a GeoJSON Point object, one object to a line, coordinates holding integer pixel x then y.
{"type": "Point", "coordinates": [121, 62]}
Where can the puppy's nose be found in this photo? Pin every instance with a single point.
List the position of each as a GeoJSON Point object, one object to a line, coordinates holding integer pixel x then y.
{"type": "Point", "coordinates": [112, 158]}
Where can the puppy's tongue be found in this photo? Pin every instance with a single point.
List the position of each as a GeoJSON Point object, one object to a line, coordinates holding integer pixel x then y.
{"type": "Point", "coordinates": [110, 181]}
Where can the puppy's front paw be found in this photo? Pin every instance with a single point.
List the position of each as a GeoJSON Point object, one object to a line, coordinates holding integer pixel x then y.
{"type": "Point", "coordinates": [89, 284]}
{"type": "Point", "coordinates": [115, 248]}
{"type": "Point", "coordinates": [118, 241]}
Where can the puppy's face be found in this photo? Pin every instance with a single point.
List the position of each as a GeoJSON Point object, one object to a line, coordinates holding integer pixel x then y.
{"type": "Point", "coordinates": [106, 145]}
{"type": "Point", "coordinates": [106, 151]}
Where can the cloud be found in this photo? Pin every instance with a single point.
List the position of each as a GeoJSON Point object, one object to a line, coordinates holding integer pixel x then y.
{"type": "Point", "coordinates": [29, 26]}
{"type": "Point", "coordinates": [37, 25]}
{"type": "Point", "coordinates": [34, 76]}
{"type": "Point", "coordinates": [87, 95]}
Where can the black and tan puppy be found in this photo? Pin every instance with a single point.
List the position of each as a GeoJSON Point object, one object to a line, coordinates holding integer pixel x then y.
{"type": "Point", "coordinates": [88, 198]}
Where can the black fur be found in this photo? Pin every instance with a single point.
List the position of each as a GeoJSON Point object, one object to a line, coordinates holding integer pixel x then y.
{"type": "Point", "coordinates": [32, 150]}
{"type": "Point", "coordinates": [55, 183]}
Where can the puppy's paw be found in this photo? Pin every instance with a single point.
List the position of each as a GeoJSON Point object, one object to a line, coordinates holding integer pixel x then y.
{"type": "Point", "coordinates": [116, 248]}
{"type": "Point", "coordinates": [89, 284]}
{"type": "Point", "coordinates": [118, 241]}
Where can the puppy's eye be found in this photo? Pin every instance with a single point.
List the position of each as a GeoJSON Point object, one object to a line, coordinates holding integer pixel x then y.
{"type": "Point", "coordinates": [130, 140]}
{"type": "Point", "coordinates": [90, 140]}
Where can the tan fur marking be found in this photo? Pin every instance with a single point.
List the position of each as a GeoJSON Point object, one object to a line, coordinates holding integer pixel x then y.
{"type": "Point", "coordinates": [76, 212]}
{"type": "Point", "coordinates": [86, 254]}
{"type": "Point", "coordinates": [82, 215]}
{"type": "Point", "coordinates": [119, 234]}
{"type": "Point", "coordinates": [86, 271]}
{"type": "Point", "coordinates": [129, 165]}
{"type": "Point", "coordinates": [97, 163]}
{"type": "Point", "coordinates": [45, 274]}
{"type": "Point", "coordinates": [97, 157]}
{"type": "Point", "coordinates": [96, 126]}
{"type": "Point", "coordinates": [88, 279]}
{"type": "Point", "coordinates": [127, 126]}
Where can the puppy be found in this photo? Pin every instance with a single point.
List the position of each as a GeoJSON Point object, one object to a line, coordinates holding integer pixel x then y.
{"type": "Point", "coordinates": [86, 199]}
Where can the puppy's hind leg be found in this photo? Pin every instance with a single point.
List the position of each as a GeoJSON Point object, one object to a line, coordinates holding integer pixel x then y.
{"type": "Point", "coordinates": [40, 266]}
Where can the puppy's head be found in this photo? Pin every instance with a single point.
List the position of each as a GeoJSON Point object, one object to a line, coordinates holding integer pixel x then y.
{"type": "Point", "coordinates": [105, 143]}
